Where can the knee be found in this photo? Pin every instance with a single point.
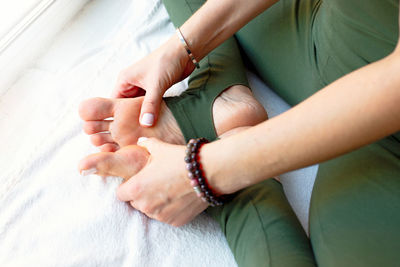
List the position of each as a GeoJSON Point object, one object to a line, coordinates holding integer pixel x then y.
{"type": "Point", "coordinates": [262, 230]}
{"type": "Point", "coordinates": [354, 213]}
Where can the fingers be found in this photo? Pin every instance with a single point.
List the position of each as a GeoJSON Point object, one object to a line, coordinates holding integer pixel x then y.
{"type": "Point", "coordinates": [151, 103]}
{"type": "Point", "coordinates": [129, 91]}
{"type": "Point", "coordinates": [127, 85]}
{"type": "Point", "coordinates": [178, 213]}
{"type": "Point", "coordinates": [184, 211]}
{"type": "Point", "coordinates": [122, 85]}
{"type": "Point", "coordinates": [150, 107]}
{"type": "Point", "coordinates": [195, 209]}
{"type": "Point", "coordinates": [96, 109]}
{"type": "Point", "coordinates": [124, 191]}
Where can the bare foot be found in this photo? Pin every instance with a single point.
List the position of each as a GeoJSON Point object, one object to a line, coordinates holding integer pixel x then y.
{"type": "Point", "coordinates": [235, 109]}
{"type": "Point", "coordinates": [113, 123]}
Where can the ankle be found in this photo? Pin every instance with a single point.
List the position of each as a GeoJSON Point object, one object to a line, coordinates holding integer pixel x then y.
{"type": "Point", "coordinates": [236, 107]}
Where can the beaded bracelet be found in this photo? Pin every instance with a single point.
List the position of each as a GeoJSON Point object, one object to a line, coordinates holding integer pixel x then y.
{"type": "Point", "coordinates": [185, 45]}
{"type": "Point", "coordinates": [196, 174]}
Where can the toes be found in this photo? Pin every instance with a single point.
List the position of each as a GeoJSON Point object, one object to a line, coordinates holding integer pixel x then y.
{"type": "Point", "coordinates": [101, 139]}
{"type": "Point", "coordinates": [92, 127]}
{"type": "Point", "coordinates": [99, 163]}
{"type": "Point", "coordinates": [124, 163]}
{"type": "Point", "coordinates": [95, 109]}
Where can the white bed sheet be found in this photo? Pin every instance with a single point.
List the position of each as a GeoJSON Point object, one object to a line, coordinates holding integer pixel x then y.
{"type": "Point", "coordinates": [52, 216]}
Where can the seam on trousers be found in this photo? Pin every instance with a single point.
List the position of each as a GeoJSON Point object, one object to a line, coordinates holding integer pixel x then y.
{"type": "Point", "coordinates": [262, 226]}
{"type": "Point", "coordinates": [192, 130]}
{"type": "Point", "coordinates": [191, 9]}
{"type": "Point", "coordinates": [208, 75]}
{"type": "Point", "coordinates": [318, 222]}
{"type": "Point", "coordinates": [312, 47]}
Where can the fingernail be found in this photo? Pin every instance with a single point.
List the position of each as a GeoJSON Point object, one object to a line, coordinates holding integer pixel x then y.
{"type": "Point", "coordinates": [88, 172]}
{"type": "Point", "coordinates": [147, 119]}
{"type": "Point", "coordinates": [141, 139]}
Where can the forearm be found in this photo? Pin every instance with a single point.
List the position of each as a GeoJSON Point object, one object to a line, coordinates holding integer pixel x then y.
{"type": "Point", "coordinates": [358, 109]}
{"type": "Point", "coordinates": [217, 20]}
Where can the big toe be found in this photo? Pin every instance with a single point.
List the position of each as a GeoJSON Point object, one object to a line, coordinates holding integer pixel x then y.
{"type": "Point", "coordinates": [124, 163]}
{"type": "Point", "coordinates": [95, 109]}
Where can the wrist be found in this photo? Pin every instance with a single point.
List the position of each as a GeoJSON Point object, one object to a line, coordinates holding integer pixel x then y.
{"type": "Point", "coordinates": [176, 49]}
{"type": "Point", "coordinates": [186, 46]}
{"type": "Point", "coordinates": [218, 170]}
{"type": "Point", "coordinates": [177, 53]}
{"type": "Point", "coordinates": [196, 175]}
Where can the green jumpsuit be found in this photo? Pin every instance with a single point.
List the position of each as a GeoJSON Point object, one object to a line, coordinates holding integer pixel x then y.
{"type": "Point", "coordinates": [297, 47]}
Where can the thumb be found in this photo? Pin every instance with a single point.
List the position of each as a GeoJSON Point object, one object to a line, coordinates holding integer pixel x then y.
{"type": "Point", "coordinates": [150, 108]}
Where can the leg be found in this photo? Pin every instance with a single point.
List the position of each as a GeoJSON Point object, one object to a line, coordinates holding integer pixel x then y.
{"type": "Point", "coordinates": [300, 46]}
{"type": "Point", "coordinates": [262, 208]}
{"type": "Point", "coordinates": [262, 229]}
{"type": "Point", "coordinates": [218, 71]}
{"type": "Point", "coordinates": [355, 208]}
{"type": "Point", "coordinates": [354, 215]}
{"type": "Point", "coordinates": [349, 34]}
{"type": "Point", "coordinates": [234, 108]}
{"type": "Point", "coordinates": [279, 44]}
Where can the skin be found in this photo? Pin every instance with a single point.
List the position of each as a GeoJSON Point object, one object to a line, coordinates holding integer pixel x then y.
{"type": "Point", "coordinates": [356, 110]}
{"type": "Point", "coordinates": [170, 63]}
{"type": "Point", "coordinates": [234, 110]}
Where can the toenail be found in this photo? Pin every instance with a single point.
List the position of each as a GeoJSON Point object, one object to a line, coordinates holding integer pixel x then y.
{"type": "Point", "coordinates": [147, 119]}
{"type": "Point", "coordinates": [88, 172]}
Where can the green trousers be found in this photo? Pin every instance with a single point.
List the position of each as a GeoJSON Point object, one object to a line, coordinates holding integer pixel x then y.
{"type": "Point", "coordinates": [297, 47]}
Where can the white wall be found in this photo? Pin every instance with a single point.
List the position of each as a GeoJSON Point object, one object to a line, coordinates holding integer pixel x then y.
{"type": "Point", "coordinates": [22, 52]}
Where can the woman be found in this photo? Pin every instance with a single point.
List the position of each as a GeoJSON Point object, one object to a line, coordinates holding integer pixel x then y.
{"type": "Point", "coordinates": [350, 127]}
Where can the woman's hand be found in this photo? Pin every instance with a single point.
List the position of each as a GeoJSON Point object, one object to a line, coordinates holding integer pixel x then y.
{"type": "Point", "coordinates": [152, 76]}
{"type": "Point", "coordinates": [161, 189]}
{"type": "Point", "coordinates": [209, 27]}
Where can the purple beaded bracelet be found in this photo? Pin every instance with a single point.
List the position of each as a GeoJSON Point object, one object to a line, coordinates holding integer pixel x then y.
{"type": "Point", "coordinates": [196, 174]}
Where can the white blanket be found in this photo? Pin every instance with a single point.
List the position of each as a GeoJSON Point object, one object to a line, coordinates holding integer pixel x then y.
{"type": "Point", "coordinates": [49, 214]}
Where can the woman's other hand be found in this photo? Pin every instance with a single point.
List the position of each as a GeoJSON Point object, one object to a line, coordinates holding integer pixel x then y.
{"type": "Point", "coordinates": [152, 76]}
{"type": "Point", "coordinates": [156, 181]}
{"type": "Point", "coordinates": [161, 189]}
